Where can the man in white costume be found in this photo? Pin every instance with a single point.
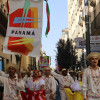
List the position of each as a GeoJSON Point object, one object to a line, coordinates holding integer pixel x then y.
{"type": "Point", "coordinates": [65, 81]}
{"type": "Point", "coordinates": [50, 84]}
{"type": "Point", "coordinates": [12, 84]}
{"type": "Point", "coordinates": [91, 78]}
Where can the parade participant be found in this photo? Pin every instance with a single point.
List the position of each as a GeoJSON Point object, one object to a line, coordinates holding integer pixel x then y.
{"type": "Point", "coordinates": [24, 77]}
{"type": "Point", "coordinates": [91, 78]}
{"type": "Point", "coordinates": [50, 84]}
{"type": "Point", "coordinates": [41, 73]}
{"type": "Point", "coordinates": [36, 87]}
{"type": "Point", "coordinates": [65, 81]}
{"type": "Point", "coordinates": [12, 84]}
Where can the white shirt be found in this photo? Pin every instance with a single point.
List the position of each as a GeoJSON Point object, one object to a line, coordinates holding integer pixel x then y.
{"type": "Point", "coordinates": [91, 83]}
{"type": "Point", "coordinates": [63, 80]}
{"type": "Point", "coordinates": [11, 88]}
{"type": "Point", "coordinates": [3, 74]}
{"type": "Point", "coordinates": [50, 84]}
{"type": "Point", "coordinates": [35, 85]}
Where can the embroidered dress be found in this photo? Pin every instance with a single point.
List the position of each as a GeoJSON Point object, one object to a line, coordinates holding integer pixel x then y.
{"type": "Point", "coordinates": [34, 89]}
{"type": "Point", "coordinates": [50, 86]}
{"type": "Point", "coordinates": [12, 88]}
{"type": "Point", "coordinates": [91, 84]}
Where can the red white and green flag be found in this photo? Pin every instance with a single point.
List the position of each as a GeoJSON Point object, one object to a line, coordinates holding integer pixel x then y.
{"type": "Point", "coordinates": [48, 19]}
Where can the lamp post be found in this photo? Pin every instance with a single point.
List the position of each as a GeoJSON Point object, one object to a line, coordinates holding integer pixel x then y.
{"type": "Point", "coordinates": [87, 17]}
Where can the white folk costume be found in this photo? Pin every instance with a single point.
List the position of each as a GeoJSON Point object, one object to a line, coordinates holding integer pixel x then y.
{"type": "Point", "coordinates": [50, 86]}
{"type": "Point", "coordinates": [12, 88]}
{"type": "Point", "coordinates": [91, 84]}
{"type": "Point", "coordinates": [63, 80]}
{"type": "Point", "coordinates": [3, 74]}
{"type": "Point", "coordinates": [35, 92]}
{"type": "Point", "coordinates": [26, 79]}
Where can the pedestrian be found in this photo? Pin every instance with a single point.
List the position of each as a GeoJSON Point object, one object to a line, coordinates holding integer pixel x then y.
{"type": "Point", "coordinates": [12, 84]}
{"type": "Point", "coordinates": [65, 81]}
{"type": "Point", "coordinates": [91, 78]}
{"type": "Point", "coordinates": [50, 84]}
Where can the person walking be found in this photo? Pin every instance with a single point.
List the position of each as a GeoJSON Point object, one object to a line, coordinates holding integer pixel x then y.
{"type": "Point", "coordinates": [65, 81]}
{"type": "Point", "coordinates": [13, 84]}
{"type": "Point", "coordinates": [91, 78]}
{"type": "Point", "coordinates": [36, 87]}
{"type": "Point", "coordinates": [50, 84]}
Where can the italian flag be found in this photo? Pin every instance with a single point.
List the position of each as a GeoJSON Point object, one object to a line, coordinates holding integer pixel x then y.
{"type": "Point", "coordinates": [48, 19]}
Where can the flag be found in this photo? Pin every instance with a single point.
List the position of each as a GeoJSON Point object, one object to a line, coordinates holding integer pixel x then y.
{"type": "Point", "coordinates": [24, 29]}
{"type": "Point", "coordinates": [57, 65]}
{"type": "Point", "coordinates": [8, 6]}
{"type": "Point", "coordinates": [48, 19]}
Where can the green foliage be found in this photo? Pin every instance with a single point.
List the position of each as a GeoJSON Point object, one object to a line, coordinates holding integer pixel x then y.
{"type": "Point", "coordinates": [66, 54]}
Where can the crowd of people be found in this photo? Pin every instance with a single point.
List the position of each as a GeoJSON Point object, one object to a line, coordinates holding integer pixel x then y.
{"type": "Point", "coordinates": [50, 85]}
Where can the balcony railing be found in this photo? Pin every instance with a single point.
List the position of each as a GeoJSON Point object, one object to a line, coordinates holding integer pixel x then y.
{"type": "Point", "coordinates": [95, 25]}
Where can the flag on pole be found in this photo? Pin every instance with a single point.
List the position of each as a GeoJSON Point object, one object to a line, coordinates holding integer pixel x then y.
{"type": "Point", "coordinates": [8, 6]}
{"type": "Point", "coordinates": [48, 19]}
{"type": "Point", "coordinates": [24, 29]}
{"type": "Point", "coordinates": [57, 65]}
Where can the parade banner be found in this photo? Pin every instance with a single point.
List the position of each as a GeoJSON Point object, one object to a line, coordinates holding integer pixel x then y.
{"type": "Point", "coordinates": [24, 28]}
{"type": "Point", "coordinates": [44, 61]}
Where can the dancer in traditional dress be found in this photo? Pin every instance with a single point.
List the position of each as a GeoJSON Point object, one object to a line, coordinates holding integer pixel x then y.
{"type": "Point", "coordinates": [65, 81]}
{"type": "Point", "coordinates": [50, 84]}
{"type": "Point", "coordinates": [36, 87]}
{"type": "Point", "coordinates": [12, 84]}
{"type": "Point", "coordinates": [91, 78]}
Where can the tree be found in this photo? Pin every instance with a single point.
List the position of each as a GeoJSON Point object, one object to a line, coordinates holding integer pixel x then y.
{"type": "Point", "coordinates": [66, 54]}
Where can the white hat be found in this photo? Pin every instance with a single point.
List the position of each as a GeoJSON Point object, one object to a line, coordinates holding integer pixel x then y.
{"type": "Point", "coordinates": [47, 68]}
{"type": "Point", "coordinates": [64, 69]}
{"type": "Point", "coordinates": [71, 71]}
{"type": "Point", "coordinates": [93, 54]}
{"type": "Point", "coordinates": [12, 65]}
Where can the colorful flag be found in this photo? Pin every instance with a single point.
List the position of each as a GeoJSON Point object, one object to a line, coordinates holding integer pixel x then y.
{"type": "Point", "coordinates": [58, 68]}
{"type": "Point", "coordinates": [24, 29]}
{"type": "Point", "coordinates": [44, 61]}
{"type": "Point", "coordinates": [48, 19]}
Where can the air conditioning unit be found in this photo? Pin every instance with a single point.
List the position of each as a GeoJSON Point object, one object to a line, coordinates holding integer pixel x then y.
{"type": "Point", "coordinates": [93, 3]}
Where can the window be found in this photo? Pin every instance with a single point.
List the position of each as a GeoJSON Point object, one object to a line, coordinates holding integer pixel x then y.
{"type": "Point", "coordinates": [86, 2]}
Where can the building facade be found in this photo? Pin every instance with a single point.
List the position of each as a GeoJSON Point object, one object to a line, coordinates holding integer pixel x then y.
{"type": "Point", "coordinates": [76, 21]}
{"type": "Point", "coordinates": [95, 17]}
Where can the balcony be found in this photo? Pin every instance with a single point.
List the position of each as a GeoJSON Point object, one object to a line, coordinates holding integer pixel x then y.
{"type": "Point", "coordinates": [83, 14]}
{"type": "Point", "coordinates": [80, 20]}
{"type": "Point", "coordinates": [93, 3]}
{"type": "Point", "coordinates": [95, 25]}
